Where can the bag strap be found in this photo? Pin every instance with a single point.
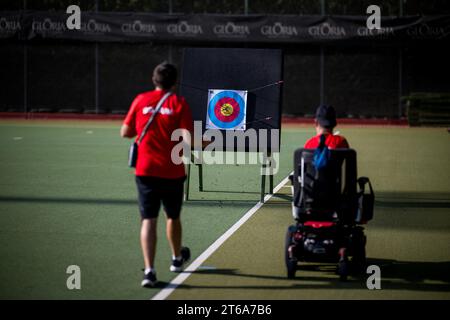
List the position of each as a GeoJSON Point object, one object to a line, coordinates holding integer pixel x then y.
{"type": "Point", "coordinates": [321, 155]}
{"type": "Point", "coordinates": [362, 181]}
{"type": "Point", "coordinates": [158, 107]}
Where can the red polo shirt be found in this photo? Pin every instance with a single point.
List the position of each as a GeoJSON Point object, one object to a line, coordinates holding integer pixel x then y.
{"type": "Point", "coordinates": [154, 152]}
{"type": "Point", "coordinates": [331, 141]}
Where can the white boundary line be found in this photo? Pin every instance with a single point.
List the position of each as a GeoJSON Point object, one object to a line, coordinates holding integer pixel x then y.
{"type": "Point", "coordinates": [166, 291]}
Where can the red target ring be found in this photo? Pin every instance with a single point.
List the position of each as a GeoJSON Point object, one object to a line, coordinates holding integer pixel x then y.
{"type": "Point", "coordinates": [226, 109]}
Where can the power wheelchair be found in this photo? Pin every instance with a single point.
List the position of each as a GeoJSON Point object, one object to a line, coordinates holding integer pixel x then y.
{"type": "Point", "coordinates": [329, 205]}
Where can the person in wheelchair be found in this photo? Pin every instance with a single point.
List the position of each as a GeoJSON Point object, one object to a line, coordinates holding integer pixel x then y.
{"type": "Point", "coordinates": [325, 122]}
{"type": "Point", "coordinates": [319, 195]}
{"type": "Point", "coordinates": [327, 207]}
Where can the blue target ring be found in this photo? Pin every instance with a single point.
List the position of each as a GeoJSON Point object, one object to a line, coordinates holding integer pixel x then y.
{"type": "Point", "coordinates": [213, 104]}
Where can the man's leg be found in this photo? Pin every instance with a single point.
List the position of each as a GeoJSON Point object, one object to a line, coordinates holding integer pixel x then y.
{"type": "Point", "coordinates": [174, 233]}
{"type": "Point", "coordinates": [172, 202]}
{"type": "Point", "coordinates": [148, 241]}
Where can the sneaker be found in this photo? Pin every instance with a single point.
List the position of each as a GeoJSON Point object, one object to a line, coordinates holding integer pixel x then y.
{"type": "Point", "coordinates": [177, 265]}
{"type": "Point", "coordinates": [149, 280]}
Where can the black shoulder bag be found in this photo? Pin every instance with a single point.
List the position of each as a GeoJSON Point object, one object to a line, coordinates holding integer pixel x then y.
{"type": "Point", "coordinates": [133, 152]}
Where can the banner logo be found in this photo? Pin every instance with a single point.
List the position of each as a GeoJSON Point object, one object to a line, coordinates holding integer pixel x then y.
{"type": "Point", "coordinates": [48, 26]}
{"type": "Point", "coordinates": [137, 27]}
{"type": "Point", "coordinates": [278, 30]}
{"type": "Point", "coordinates": [382, 32]}
{"type": "Point", "coordinates": [327, 31]}
{"type": "Point", "coordinates": [231, 30]}
{"type": "Point", "coordinates": [9, 26]}
{"type": "Point", "coordinates": [92, 26]}
{"type": "Point", "coordinates": [424, 31]}
{"type": "Point", "coordinates": [183, 28]}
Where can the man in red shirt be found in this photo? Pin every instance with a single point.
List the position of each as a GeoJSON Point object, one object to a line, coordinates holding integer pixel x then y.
{"type": "Point", "coordinates": [158, 179]}
{"type": "Point", "coordinates": [325, 122]}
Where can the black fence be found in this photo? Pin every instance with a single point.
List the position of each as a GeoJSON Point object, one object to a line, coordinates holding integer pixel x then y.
{"type": "Point", "coordinates": [298, 7]}
{"type": "Point", "coordinates": [362, 74]}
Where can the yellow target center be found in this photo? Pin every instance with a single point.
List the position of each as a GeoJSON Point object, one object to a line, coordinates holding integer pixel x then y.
{"type": "Point", "coordinates": [226, 109]}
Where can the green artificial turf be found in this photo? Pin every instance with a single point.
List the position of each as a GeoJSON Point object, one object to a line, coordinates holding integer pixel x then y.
{"type": "Point", "coordinates": [409, 238]}
{"type": "Point", "coordinates": [68, 198]}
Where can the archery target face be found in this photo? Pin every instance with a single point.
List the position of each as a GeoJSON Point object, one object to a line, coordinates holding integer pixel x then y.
{"type": "Point", "coordinates": [226, 109]}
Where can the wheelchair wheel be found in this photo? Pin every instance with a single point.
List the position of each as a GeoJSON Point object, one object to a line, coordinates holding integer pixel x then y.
{"type": "Point", "coordinates": [359, 256]}
{"type": "Point", "coordinates": [359, 260]}
{"type": "Point", "coordinates": [291, 263]}
{"type": "Point", "coordinates": [342, 270]}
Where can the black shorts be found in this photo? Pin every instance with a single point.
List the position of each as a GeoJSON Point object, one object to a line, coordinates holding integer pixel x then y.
{"type": "Point", "coordinates": [153, 190]}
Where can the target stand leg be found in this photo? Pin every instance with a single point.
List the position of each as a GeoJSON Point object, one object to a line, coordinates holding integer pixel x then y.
{"type": "Point", "coordinates": [271, 162]}
{"type": "Point", "coordinates": [200, 177]}
{"type": "Point", "coordinates": [188, 176]}
{"type": "Point", "coordinates": [200, 174]}
{"type": "Point", "coordinates": [267, 164]}
{"type": "Point", "coordinates": [271, 184]}
{"type": "Point", "coordinates": [200, 170]}
{"type": "Point", "coordinates": [263, 185]}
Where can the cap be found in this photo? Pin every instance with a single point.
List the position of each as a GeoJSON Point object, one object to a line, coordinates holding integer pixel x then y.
{"type": "Point", "coordinates": [326, 116]}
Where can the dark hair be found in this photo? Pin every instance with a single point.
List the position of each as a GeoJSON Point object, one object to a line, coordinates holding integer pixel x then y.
{"type": "Point", "coordinates": [165, 75]}
{"type": "Point", "coordinates": [326, 116]}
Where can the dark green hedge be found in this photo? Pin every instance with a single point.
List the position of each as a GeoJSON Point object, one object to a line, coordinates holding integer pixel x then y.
{"type": "Point", "coordinates": [428, 109]}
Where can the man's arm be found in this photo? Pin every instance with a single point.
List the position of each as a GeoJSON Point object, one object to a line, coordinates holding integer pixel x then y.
{"type": "Point", "coordinates": [127, 132]}
{"type": "Point", "coordinates": [128, 129]}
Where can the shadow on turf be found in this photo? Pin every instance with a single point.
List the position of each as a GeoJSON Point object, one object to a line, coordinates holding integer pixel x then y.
{"type": "Point", "coordinates": [200, 202]}
{"type": "Point", "coordinates": [412, 200]}
{"type": "Point", "coordinates": [386, 200]}
{"type": "Point", "coordinates": [68, 200]}
{"type": "Point", "coordinates": [395, 275]}
{"type": "Point", "coordinates": [230, 191]}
